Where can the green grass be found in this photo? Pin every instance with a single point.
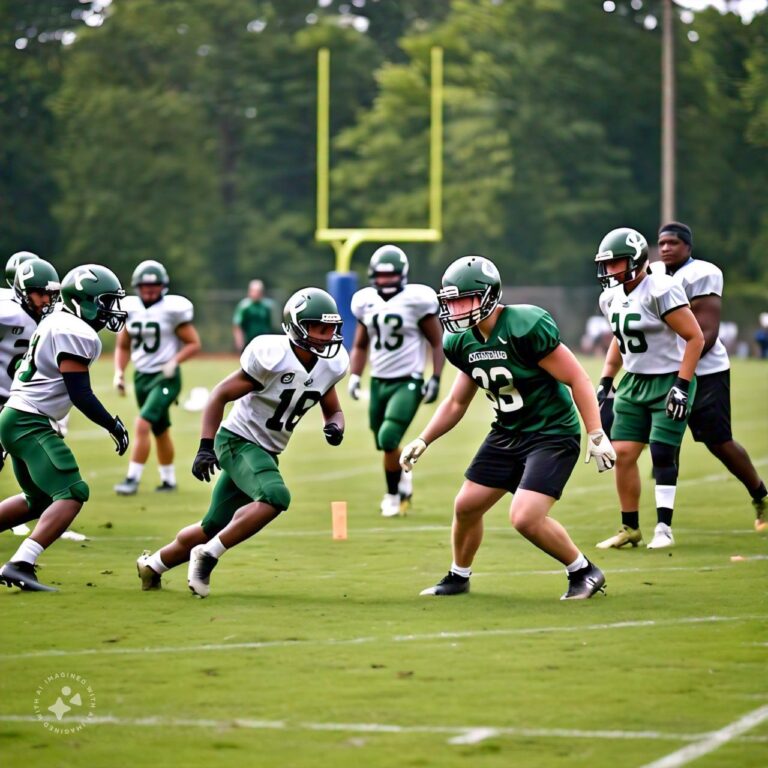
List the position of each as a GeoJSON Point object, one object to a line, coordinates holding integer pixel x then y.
{"type": "Point", "coordinates": [326, 638]}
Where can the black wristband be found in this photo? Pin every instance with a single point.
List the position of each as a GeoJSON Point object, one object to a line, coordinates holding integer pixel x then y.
{"type": "Point", "coordinates": [606, 383]}
{"type": "Point", "coordinates": [682, 384]}
{"type": "Point", "coordinates": [206, 444]}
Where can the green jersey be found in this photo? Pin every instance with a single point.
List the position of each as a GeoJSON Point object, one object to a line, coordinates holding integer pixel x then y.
{"type": "Point", "coordinates": [254, 317]}
{"type": "Point", "coordinates": [525, 397]}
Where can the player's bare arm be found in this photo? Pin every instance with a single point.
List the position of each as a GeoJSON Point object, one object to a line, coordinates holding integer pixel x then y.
{"type": "Point", "coordinates": [683, 322]}
{"type": "Point", "coordinates": [357, 357]}
{"type": "Point", "coordinates": [333, 417]}
{"type": "Point", "coordinates": [433, 332]}
{"type": "Point", "coordinates": [613, 362]}
{"type": "Point", "coordinates": [235, 386]}
{"type": "Point", "coordinates": [122, 358]}
{"type": "Point", "coordinates": [707, 311]}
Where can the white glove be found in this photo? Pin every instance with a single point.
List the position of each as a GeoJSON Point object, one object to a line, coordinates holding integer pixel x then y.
{"type": "Point", "coordinates": [119, 382]}
{"type": "Point", "coordinates": [599, 446]}
{"type": "Point", "coordinates": [353, 386]}
{"type": "Point", "coordinates": [411, 453]}
{"type": "Point", "coordinates": [169, 369]}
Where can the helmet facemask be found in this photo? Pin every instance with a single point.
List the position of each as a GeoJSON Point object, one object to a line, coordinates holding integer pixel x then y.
{"type": "Point", "coordinates": [108, 312]}
{"type": "Point", "coordinates": [617, 278]}
{"type": "Point", "coordinates": [462, 310]}
{"type": "Point", "coordinates": [320, 347]}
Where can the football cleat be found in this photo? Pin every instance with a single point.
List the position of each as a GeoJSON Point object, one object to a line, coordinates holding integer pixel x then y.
{"type": "Point", "coordinates": [662, 537]}
{"type": "Point", "coordinates": [150, 579]}
{"type": "Point", "coordinates": [199, 573]}
{"type": "Point", "coordinates": [626, 535]}
{"type": "Point", "coordinates": [165, 487]}
{"type": "Point", "coordinates": [23, 576]}
{"type": "Point", "coordinates": [73, 536]}
{"type": "Point", "coordinates": [761, 515]}
{"type": "Point", "coordinates": [390, 505]}
{"type": "Point", "coordinates": [128, 487]}
{"type": "Point", "coordinates": [405, 491]}
{"type": "Point", "coordinates": [584, 583]}
{"type": "Point", "coordinates": [21, 530]}
{"type": "Point", "coordinates": [450, 584]}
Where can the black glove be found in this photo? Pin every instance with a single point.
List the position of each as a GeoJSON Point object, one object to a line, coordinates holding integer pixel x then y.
{"type": "Point", "coordinates": [119, 434]}
{"type": "Point", "coordinates": [431, 389]}
{"type": "Point", "coordinates": [605, 395]}
{"type": "Point", "coordinates": [677, 400]}
{"type": "Point", "coordinates": [333, 433]}
{"type": "Point", "coordinates": [205, 463]}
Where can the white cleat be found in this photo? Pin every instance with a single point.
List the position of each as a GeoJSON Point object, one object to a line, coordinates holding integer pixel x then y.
{"type": "Point", "coordinates": [405, 491]}
{"type": "Point", "coordinates": [390, 505]}
{"type": "Point", "coordinates": [662, 537]}
{"type": "Point", "coordinates": [199, 573]}
{"type": "Point", "coordinates": [73, 536]}
{"type": "Point", "coordinates": [21, 530]}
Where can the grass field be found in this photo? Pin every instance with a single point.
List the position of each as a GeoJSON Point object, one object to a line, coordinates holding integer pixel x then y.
{"type": "Point", "coordinates": [312, 652]}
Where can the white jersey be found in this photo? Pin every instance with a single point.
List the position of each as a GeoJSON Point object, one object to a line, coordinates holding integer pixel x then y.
{"type": "Point", "coordinates": [647, 344]}
{"type": "Point", "coordinates": [16, 329]}
{"type": "Point", "coordinates": [702, 278]}
{"type": "Point", "coordinates": [153, 330]}
{"type": "Point", "coordinates": [397, 347]}
{"type": "Point", "coordinates": [38, 386]}
{"type": "Point", "coordinates": [268, 416]}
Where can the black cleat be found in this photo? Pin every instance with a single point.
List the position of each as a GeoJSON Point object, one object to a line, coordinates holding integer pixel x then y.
{"type": "Point", "coordinates": [23, 576]}
{"type": "Point", "coordinates": [450, 584]}
{"type": "Point", "coordinates": [582, 584]}
{"type": "Point", "coordinates": [165, 487]}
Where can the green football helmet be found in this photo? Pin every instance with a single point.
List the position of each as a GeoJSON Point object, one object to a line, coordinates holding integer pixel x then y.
{"type": "Point", "coordinates": [621, 243]}
{"type": "Point", "coordinates": [470, 277]}
{"type": "Point", "coordinates": [93, 293]}
{"type": "Point", "coordinates": [150, 272]}
{"type": "Point", "coordinates": [387, 261]}
{"type": "Point", "coordinates": [12, 264]}
{"type": "Point", "coordinates": [312, 305]}
{"type": "Point", "coordinates": [40, 276]}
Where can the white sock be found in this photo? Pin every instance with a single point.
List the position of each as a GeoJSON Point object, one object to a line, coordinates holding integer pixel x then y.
{"type": "Point", "coordinates": [156, 563]}
{"type": "Point", "coordinates": [28, 552]}
{"type": "Point", "coordinates": [459, 571]}
{"type": "Point", "coordinates": [167, 474]}
{"type": "Point", "coordinates": [665, 496]}
{"type": "Point", "coordinates": [215, 548]}
{"type": "Point", "coordinates": [135, 471]}
{"type": "Point", "coordinates": [579, 563]}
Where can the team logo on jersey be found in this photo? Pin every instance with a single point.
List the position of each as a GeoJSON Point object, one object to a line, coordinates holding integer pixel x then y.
{"type": "Point", "coordinates": [488, 354]}
{"type": "Point", "coordinates": [16, 330]}
{"type": "Point", "coordinates": [308, 382]}
{"type": "Point", "coordinates": [287, 378]}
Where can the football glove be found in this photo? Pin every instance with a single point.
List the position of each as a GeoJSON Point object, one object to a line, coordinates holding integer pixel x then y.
{"type": "Point", "coordinates": [605, 396]}
{"type": "Point", "coordinates": [353, 386]}
{"type": "Point", "coordinates": [169, 369]}
{"type": "Point", "coordinates": [205, 464]}
{"type": "Point", "coordinates": [120, 435]}
{"type": "Point", "coordinates": [119, 383]}
{"type": "Point", "coordinates": [677, 400]}
{"type": "Point", "coordinates": [431, 389]}
{"type": "Point", "coordinates": [599, 446]}
{"type": "Point", "coordinates": [411, 453]}
{"type": "Point", "coordinates": [333, 434]}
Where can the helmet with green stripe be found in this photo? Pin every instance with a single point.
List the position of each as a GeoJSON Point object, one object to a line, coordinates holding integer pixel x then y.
{"type": "Point", "coordinates": [310, 307]}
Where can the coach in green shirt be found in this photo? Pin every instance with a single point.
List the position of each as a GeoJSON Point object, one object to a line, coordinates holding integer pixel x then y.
{"type": "Point", "coordinates": [253, 315]}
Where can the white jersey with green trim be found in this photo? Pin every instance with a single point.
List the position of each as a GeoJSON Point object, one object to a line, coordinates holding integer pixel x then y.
{"type": "Point", "coordinates": [699, 279]}
{"type": "Point", "coordinates": [397, 348]}
{"type": "Point", "coordinates": [647, 344]}
{"type": "Point", "coordinates": [288, 390]}
{"type": "Point", "coordinates": [38, 386]}
{"type": "Point", "coordinates": [16, 329]}
{"type": "Point", "coordinates": [153, 330]}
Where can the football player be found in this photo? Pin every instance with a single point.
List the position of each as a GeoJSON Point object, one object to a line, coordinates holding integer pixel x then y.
{"type": "Point", "coordinates": [514, 354]}
{"type": "Point", "coordinates": [710, 419]}
{"type": "Point", "coordinates": [658, 342]}
{"type": "Point", "coordinates": [10, 270]}
{"type": "Point", "coordinates": [52, 377]}
{"type": "Point", "coordinates": [396, 322]}
{"type": "Point", "coordinates": [158, 336]}
{"type": "Point", "coordinates": [281, 377]}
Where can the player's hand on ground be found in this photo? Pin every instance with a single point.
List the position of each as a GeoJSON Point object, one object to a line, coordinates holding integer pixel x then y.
{"type": "Point", "coordinates": [599, 447]}
{"type": "Point", "coordinates": [119, 383]}
{"type": "Point", "coordinates": [677, 400]}
{"type": "Point", "coordinates": [169, 369]}
{"type": "Point", "coordinates": [411, 453]}
{"type": "Point", "coordinates": [353, 386]}
{"type": "Point", "coordinates": [431, 389]}
{"type": "Point", "coordinates": [205, 464]}
{"type": "Point", "coordinates": [120, 435]}
{"type": "Point", "coordinates": [333, 434]}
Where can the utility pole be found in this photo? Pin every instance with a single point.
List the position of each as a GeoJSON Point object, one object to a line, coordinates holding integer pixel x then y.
{"type": "Point", "coordinates": [668, 139]}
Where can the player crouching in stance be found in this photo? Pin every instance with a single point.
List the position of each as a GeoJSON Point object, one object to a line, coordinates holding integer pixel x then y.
{"type": "Point", "coordinates": [280, 379]}
{"type": "Point", "coordinates": [515, 355]}
{"type": "Point", "coordinates": [649, 314]}
{"type": "Point", "coordinates": [51, 378]}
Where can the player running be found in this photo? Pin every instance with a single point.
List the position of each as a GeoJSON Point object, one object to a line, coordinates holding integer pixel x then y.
{"type": "Point", "coordinates": [649, 314]}
{"type": "Point", "coordinates": [280, 379]}
{"type": "Point", "coordinates": [515, 355]}
{"type": "Point", "coordinates": [52, 377]}
{"type": "Point", "coordinates": [396, 321]}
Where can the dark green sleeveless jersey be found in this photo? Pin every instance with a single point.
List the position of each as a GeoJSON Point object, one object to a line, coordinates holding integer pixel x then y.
{"type": "Point", "coordinates": [525, 397]}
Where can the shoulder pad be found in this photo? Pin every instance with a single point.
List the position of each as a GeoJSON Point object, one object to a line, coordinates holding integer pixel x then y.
{"type": "Point", "coordinates": [361, 298]}
{"type": "Point", "coordinates": [340, 363]}
{"type": "Point", "coordinates": [660, 283]}
{"type": "Point", "coordinates": [10, 310]}
{"type": "Point", "coordinates": [269, 350]}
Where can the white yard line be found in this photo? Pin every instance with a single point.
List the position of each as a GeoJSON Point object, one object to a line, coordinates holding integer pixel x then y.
{"type": "Point", "coordinates": [712, 741]}
{"type": "Point", "coordinates": [426, 637]}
